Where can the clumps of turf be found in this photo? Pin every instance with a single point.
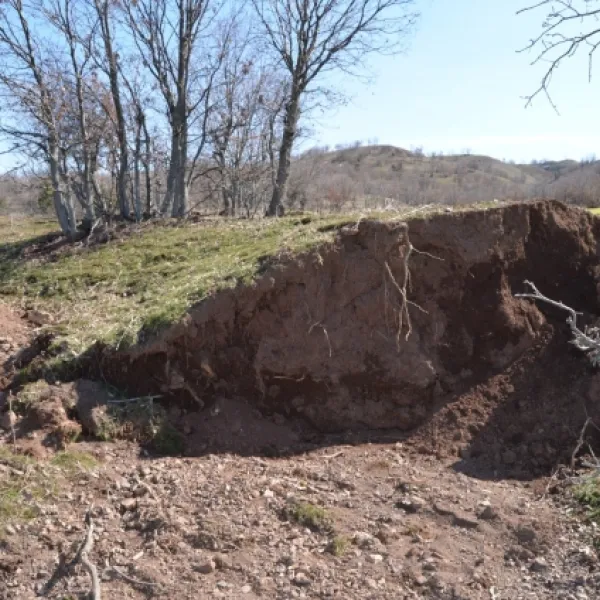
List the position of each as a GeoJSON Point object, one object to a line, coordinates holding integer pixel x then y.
{"type": "Point", "coordinates": [147, 280]}
{"type": "Point", "coordinates": [126, 291]}
{"type": "Point", "coordinates": [145, 422]}
{"type": "Point", "coordinates": [319, 520]}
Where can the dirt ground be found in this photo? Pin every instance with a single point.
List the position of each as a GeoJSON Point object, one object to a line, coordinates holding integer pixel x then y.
{"type": "Point", "coordinates": [337, 465]}
{"type": "Point", "coordinates": [402, 525]}
{"type": "Point", "coordinates": [382, 519]}
{"type": "Point", "coordinates": [14, 334]}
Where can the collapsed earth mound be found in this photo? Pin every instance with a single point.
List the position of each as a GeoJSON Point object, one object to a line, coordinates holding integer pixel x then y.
{"type": "Point", "coordinates": [345, 338]}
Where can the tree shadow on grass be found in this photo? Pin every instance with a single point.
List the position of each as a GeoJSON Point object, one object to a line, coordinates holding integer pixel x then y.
{"type": "Point", "coordinates": [13, 255]}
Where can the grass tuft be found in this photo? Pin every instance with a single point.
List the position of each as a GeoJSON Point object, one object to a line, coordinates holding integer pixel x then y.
{"type": "Point", "coordinates": [339, 545]}
{"type": "Point", "coordinates": [26, 483]}
{"type": "Point", "coordinates": [72, 461]}
{"type": "Point", "coordinates": [316, 518]}
{"type": "Point", "coordinates": [588, 494]}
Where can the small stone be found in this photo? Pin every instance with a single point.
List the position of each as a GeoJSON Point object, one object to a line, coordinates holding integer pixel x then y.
{"type": "Point", "coordinates": [464, 520]}
{"type": "Point", "coordinates": [205, 568]}
{"type": "Point", "coordinates": [222, 561]}
{"type": "Point", "coordinates": [128, 504]}
{"type": "Point", "coordinates": [386, 534]}
{"type": "Point", "coordinates": [268, 494]}
{"type": "Point", "coordinates": [10, 530]}
{"type": "Point", "coordinates": [376, 558]}
{"type": "Point", "coordinates": [246, 589]}
{"type": "Point", "coordinates": [420, 580]}
{"type": "Point", "coordinates": [8, 420]}
{"type": "Point", "coordinates": [301, 579]}
{"type": "Point", "coordinates": [143, 470]}
{"type": "Point", "coordinates": [140, 490]}
{"type": "Point", "coordinates": [487, 511]}
{"type": "Point", "coordinates": [122, 484]}
{"type": "Point", "coordinates": [509, 457]}
{"type": "Point", "coordinates": [443, 509]}
{"type": "Point", "coordinates": [525, 535]}
{"type": "Point", "coordinates": [429, 565]}
{"type": "Point", "coordinates": [371, 583]}
{"type": "Point", "coordinates": [363, 539]}
{"type": "Point", "coordinates": [539, 565]}
{"type": "Point", "coordinates": [410, 504]}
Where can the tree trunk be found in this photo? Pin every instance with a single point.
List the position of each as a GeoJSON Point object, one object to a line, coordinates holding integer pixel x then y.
{"type": "Point", "coordinates": [226, 204]}
{"type": "Point", "coordinates": [177, 188]}
{"type": "Point", "coordinates": [88, 187]}
{"type": "Point", "coordinates": [147, 171]}
{"type": "Point", "coordinates": [137, 192]}
{"type": "Point", "coordinates": [234, 197]}
{"type": "Point", "coordinates": [102, 8]}
{"type": "Point", "coordinates": [62, 202]}
{"type": "Point", "coordinates": [169, 198]}
{"type": "Point", "coordinates": [292, 114]}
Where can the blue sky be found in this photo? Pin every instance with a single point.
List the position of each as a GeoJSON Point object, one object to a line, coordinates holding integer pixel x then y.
{"type": "Point", "coordinates": [460, 85]}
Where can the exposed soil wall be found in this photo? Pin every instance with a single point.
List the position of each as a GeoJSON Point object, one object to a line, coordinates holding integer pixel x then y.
{"type": "Point", "coordinates": [317, 335]}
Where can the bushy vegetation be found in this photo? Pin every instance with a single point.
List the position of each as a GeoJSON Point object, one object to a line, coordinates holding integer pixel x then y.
{"type": "Point", "coordinates": [316, 518]}
{"type": "Point", "coordinates": [588, 494]}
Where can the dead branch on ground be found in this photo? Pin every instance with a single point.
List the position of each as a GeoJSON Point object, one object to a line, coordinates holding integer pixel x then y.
{"type": "Point", "coordinates": [111, 570]}
{"type": "Point", "coordinates": [84, 558]}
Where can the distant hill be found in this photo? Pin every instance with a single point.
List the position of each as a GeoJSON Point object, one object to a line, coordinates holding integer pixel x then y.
{"type": "Point", "coordinates": [378, 175]}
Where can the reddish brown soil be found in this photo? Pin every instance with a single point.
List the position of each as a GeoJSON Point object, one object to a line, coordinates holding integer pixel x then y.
{"type": "Point", "coordinates": [485, 389]}
{"type": "Point", "coordinates": [314, 342]}
{"type": "Point", "coordinates": [407, 526]}
{"type": "Point", "coordinates": [14, 334]}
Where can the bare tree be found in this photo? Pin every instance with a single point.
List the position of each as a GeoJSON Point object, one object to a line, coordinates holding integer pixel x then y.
{"type": "Point", "coordinates": [244, 124]}
{"type": "Point", "coordinates": [65, 16]}
{"type": "Point", "coordinates": [110, 64]}
{"type": "Point", "coordinates": [561, 37]}
{"type": "Point", "coordinates": [312, 37]}
{"type": "Point", "coordinates": [32, 101]}
{"type": "Point", "coordinates": [167, 33]}
{"type": "Point", "coordinates": [142, 148]}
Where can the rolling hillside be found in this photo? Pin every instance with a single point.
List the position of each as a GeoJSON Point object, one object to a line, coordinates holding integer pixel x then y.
{"type": "Point", "coordinates": [380, 177]}
{"type": "Point", "coordinates": [376, 176]}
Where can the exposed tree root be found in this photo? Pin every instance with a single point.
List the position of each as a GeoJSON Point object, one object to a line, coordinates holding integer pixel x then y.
{"type": "Point", "coordinates": [587, 341]}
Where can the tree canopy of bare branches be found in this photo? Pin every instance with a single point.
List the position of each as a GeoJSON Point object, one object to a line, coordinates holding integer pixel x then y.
{"type": "Point", "coordinates": [311, 37]}
{"type": "Point", "coordinates": [569, 27]}
{"type": "Point", "coordinates": [136, 108]}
